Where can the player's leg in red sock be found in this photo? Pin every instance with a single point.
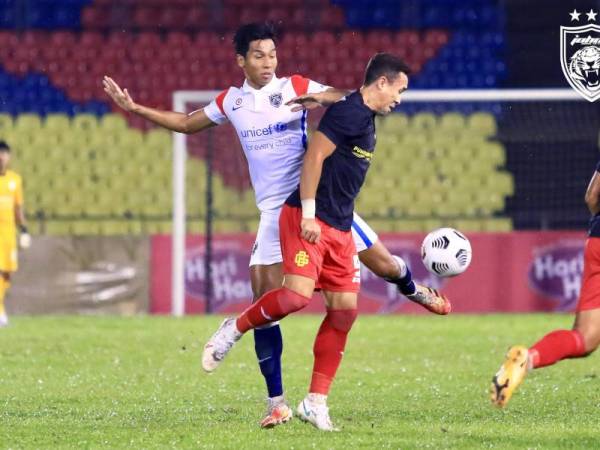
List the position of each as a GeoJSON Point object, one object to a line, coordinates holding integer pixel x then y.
{"type": "Point", "coordinates": [582, 340]}
{"type": "Point", "coordinates": [585, 336]}
{"type": "Point", "coordinates": [329, 348]}
{"type": "Point", "coordinates": [555, 346]}
{"type": "Point", "coordinates": [278, 303]}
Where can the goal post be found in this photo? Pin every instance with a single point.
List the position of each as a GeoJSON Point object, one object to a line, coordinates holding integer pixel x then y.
{"type": "Point", "coordinates": [181, 102]}
{"type": "Point", "coordinates": [530, 121]}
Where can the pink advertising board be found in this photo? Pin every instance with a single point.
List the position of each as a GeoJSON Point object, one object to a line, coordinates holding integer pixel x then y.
{"type": "Point", "coordinates": [510, 272]}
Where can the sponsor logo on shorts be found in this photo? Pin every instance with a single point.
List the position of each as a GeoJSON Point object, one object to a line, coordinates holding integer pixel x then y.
{"type": "Point", "coordinates": [301, 258]}
{"type": "Point", "coordinates": [254, 248]}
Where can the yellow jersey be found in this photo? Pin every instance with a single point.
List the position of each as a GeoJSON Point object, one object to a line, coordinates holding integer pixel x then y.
{"type": "Point", "coordinates": [11, 194]}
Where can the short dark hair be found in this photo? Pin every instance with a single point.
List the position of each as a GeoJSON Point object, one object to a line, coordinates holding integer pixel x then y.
{"type": "Point", "coordinates": [252, 32]}
{"type": "Point", "coordinates": [385, 64]}
{"type": "Point", "coordinates": [4, 147]}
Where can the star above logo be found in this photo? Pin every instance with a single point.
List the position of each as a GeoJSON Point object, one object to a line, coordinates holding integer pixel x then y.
{"type": "Point", "coordinates": [591, 15]}
{"type": "Point", "coordinates": [574, 15]}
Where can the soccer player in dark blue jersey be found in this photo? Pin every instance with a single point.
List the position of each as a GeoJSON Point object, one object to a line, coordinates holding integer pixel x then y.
{"type": "Point", "coordinates": [315, 232]}
{"type": "Point", "coordinates": [584, 337]}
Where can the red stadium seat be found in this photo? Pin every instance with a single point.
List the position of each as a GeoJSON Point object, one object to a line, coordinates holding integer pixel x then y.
{"type": "Point", "coordinates": [323, 38]}
{"type": "Point", "coordinates": [119, 39]}
{"type": "Point", "coordinates": [91, 39]}
{"type": "Point", "coordinates": [196, 18]}
{"type": "Point", "coordinates": [436, 37]}
{"type": "Point", "coordinates": [63, 39]}
{"type": "Point", "coordinates": [204, 39]}
{"type": "Point", "coordinates": [95, 18]}
{"type": "Point", "coordinates": [407, 38]}
{"type": "Point", "coordinates": [352, 38]}
{"type": "Point", "coordinates": [171, 17]}
{"type": "Point", "coordinates": [279, 14]}
{"type": "Point", "coordinates": [145, 17]}
{"type": "Point", "coordinates": [149, 39]}
{"type": "Point", "coordinates": [380, 39]}
{"type": "Point", "coordinates": [332, 17]}
{"type": "Point", "coordinates": [178, 39]}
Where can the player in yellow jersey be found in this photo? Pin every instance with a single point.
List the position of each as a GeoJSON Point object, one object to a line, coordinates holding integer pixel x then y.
{"type": "Point", "coordinates": [11, 218]}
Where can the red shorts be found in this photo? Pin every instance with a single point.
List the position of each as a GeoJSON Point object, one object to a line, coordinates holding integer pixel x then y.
{"type": "Point", "coordinates": [332, 262]}
{"type": "Point", "coordinates": [589, 297]}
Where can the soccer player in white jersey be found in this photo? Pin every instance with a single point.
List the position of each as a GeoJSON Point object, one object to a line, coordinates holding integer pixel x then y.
{"type": "Point", "coordinates": [269, 115]}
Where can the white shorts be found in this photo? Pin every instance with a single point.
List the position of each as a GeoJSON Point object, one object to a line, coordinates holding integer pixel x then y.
{"type": "Point", "coordinates": [266, 249]}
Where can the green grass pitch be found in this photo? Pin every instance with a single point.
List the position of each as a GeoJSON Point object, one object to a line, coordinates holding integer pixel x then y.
{"type": "Point", "coordinates": [405, 382]}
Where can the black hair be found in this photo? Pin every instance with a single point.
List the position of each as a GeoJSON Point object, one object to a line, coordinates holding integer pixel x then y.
{"type": "Point", "coordinates": [4, 147]}
{"type": "Point", "coordinates": [252, 32]}
{"type": "Point", "coordinates": [387, 65]}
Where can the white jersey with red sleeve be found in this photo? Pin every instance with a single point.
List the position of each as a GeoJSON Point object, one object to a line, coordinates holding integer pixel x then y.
{"type": "Point", "coordinates": [273, 137]}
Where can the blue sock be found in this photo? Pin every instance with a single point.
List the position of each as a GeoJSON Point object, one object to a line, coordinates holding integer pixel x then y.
{"type": "Point", "coordinates": [268, 344]}
{"type": "Point", "coordinates": [406, 285]}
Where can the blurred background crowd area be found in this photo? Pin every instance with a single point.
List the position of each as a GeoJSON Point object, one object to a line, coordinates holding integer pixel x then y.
{"type": "Point", "coordinates": [90, 169]}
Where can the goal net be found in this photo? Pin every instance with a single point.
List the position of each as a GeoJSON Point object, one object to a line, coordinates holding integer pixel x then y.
{"type": "Point", "coordinates": [479, 160]}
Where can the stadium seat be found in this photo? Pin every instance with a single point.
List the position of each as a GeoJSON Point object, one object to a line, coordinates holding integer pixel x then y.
{"type": "Point", "coordinates": [482, 123]}
{"type": "Point", "coordinates": [6, 124]}
{"type": "Point", "coordinates": [497, 224]}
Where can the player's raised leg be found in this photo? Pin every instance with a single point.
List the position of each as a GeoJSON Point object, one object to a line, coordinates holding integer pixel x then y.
{"type": "Point", "coordinates": [557, 345]}
{"type": "Point", "coordinates": [271, 307]}
{"type": "Point", "coordinates": [393, 269]}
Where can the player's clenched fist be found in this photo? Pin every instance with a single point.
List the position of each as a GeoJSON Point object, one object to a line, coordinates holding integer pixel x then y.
{"type": "Point", "coordinates": [310, 230]}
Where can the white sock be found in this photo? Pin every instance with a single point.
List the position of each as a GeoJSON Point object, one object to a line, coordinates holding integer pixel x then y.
{"type": "Point", "coordinates": [401, 266]}
{"type": "Point", "coordinates": [319, 399]}
{"type": "Point", "coordinates": [277, 400]}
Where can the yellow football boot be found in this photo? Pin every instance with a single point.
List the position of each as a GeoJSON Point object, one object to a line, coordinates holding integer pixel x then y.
{"type": "Point", "coordinates": [510, 376]}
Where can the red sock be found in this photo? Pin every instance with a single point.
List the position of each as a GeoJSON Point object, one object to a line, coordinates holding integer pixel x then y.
{"type": "Point", "coordinates": [557, 345]}
{"type": "Point", "coordinates": [272, 306]}
{"type": "Point", "coordinates": [329, 348]}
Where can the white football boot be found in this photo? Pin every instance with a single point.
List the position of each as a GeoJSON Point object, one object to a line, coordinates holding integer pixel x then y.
{"type": "Point", "coordinates": [3, 320]}
{"type": "Point", "coordinates": [219, 344]}
{"type": "Point", "coordinates": [316, 414]}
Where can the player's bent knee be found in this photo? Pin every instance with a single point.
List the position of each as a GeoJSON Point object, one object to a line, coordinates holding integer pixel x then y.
{"type": "Point", "coordinates": [299, 284]}
{"type": "Point", "coordinates": [342, 319]}
{"type": "Point", "coordinates": [591, 338]}
{"type": "Point", "coordinates": [290, 301]}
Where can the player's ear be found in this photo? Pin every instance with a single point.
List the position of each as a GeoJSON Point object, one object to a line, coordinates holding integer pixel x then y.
{"type": "Point", "coordinates": [241, 61]}
{"type": "Point", "coordinates": [382, 81]}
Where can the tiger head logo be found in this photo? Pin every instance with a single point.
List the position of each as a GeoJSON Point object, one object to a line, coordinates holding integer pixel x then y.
{"type": "Point", "coordinates": [585, 67]}
{"type": "Point", "coordinates": [580, 59]}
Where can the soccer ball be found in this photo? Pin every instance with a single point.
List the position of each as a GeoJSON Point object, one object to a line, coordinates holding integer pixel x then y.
{"type": "Point", "coordinates": [446, 252]}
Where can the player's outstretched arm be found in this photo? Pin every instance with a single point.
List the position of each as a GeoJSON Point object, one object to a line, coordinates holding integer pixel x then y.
{"type": "Point", "coordinates": [317, 99]}
{"type": "Point", "coordinates": [319, 148]}
{"type": "Point", "coordinates": [174, 121]}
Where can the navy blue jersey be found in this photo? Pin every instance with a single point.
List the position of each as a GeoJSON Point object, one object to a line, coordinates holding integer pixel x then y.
{"type": "Point", "coordinates": [350, 125]}
{"type": "Point", "coordinates": [594, 230]}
